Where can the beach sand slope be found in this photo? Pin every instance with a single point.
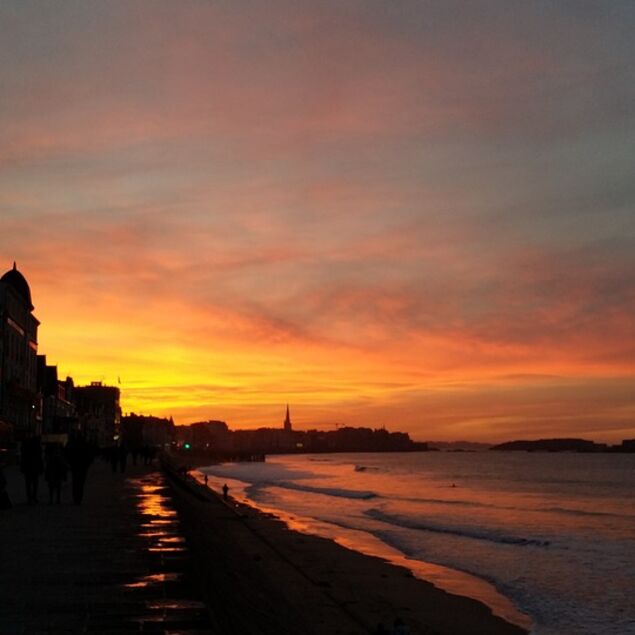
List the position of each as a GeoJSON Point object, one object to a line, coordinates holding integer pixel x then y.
{"type": "Point", "coordinates": [260, 577]}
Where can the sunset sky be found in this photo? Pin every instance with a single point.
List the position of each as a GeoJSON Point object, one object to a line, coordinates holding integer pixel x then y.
{"type": "Point", "coordinates": [411, 214]}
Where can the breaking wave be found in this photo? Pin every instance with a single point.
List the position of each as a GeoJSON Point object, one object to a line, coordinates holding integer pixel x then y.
{"type": "Point", "coordinates": [328, 491]}
{"type": "Point", "coordinates": [465, 532]}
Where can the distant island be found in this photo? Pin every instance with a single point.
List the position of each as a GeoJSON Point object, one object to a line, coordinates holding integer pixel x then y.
{"type": "Point", "coordinates": [216, 436]}
{"type": "Point", "coordinates": [563, 445]}
{"type": "Point", "coordinates": [459, 446]}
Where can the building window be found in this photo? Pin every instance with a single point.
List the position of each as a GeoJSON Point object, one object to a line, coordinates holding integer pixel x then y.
{"type": "Point", "coordinates": [16, 326]}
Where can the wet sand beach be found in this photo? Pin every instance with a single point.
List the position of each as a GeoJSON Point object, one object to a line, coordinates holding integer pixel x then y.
{"type": "Point", "coordinates": [259, 576]}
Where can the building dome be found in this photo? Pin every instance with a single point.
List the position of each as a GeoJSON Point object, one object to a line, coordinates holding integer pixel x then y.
{"type": "Point", "coordinates": [18, 282]}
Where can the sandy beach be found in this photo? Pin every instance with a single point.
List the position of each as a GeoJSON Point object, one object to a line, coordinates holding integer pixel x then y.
{"type": "Point", "coordinates": [259, 576]}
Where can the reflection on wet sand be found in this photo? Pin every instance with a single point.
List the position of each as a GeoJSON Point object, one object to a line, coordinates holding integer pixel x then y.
{"type": "Point", "coordinates": [161, 523]}
{"type": "Point", "coordinates": [153, 503]}
{"type": "Point", "coordinates": [149, 580]}
{"type": "Point", "coordinates": [174, 604]}
{"type": "Point", "coordinates": [167, 551]}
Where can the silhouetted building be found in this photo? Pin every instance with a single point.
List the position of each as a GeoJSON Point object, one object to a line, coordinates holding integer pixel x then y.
{"type": "Point", "coordinates": [144, 430]}
{"type": "Point", "coordinates": [158, 432]}
{"type": "Point", "coordinates": [263, 440]}
{"type": "Point", "coordinates": [216, 438]}
{"type": "Point", "coordinates": [131, 431]}
{"type": "Point", "coordinates": [287, 421]}
{"type": "Point", "coordinates": [628, 445]}
{"type": "Point", "coordinates": [99, 413]}
{"type": "Point", "coordinates": [59, 414]}
{"type": "Point", "coordinates": [205, 435]}
{"type": "Point", "coordinates": [19, 401]}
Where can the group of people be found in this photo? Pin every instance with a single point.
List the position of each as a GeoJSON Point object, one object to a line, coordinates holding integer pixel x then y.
{"type": "Point", "coordinates": [55, 463]}
{"type": "Point", "coordinates": [117, 455]}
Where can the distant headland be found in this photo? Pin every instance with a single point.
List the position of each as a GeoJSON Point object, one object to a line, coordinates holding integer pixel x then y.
{"type": "Point", "coordinates": [564, 445]}
{"type": "Point", "coordinates": [217, 436]}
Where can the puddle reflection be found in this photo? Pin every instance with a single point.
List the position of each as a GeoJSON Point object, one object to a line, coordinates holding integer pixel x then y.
{"type": "Point", "coordinates": [152, 502]}
{"type": "Point", "coordinates": [159, 529]}
{"type": "Point", "coordinates": [174, 604]}
{"type": "Point", "coordinates": [154, 579]}
{"type": "Point", "coordinates": [158, 521]}
{"type": "Point", "coordinates": [159, 534]}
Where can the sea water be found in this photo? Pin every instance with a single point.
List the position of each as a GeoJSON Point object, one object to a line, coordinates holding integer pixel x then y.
{"type": "Point", "coordinates": [554, 533]}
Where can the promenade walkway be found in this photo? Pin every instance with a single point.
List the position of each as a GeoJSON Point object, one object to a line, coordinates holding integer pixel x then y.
{"type": "Point", "coordinates": [116, 564]}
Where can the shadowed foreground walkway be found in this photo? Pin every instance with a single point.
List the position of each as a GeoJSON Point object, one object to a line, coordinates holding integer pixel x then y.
{"type": "Point", "coordinates": [115, 564]}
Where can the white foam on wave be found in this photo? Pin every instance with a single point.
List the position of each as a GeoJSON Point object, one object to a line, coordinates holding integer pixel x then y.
{"type": "Point", "coordinates": [468, 528]}
{"type": "Point", "coordinates": [464, 531]}
{"type": "Point", "coordinates": [338, 492]}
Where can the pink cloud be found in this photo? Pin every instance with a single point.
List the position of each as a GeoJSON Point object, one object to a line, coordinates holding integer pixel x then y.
{"type": "Point", "coordinates": [365, 204]}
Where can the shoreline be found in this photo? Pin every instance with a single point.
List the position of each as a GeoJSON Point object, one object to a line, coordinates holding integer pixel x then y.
{"type": "Point", "coordinates": [446, 579]}
{"type": "Point", "coordinates": [314, 584]}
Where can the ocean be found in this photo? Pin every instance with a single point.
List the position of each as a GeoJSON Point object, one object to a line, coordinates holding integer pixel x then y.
{"type": "Point", "coordinates": [548, 536]}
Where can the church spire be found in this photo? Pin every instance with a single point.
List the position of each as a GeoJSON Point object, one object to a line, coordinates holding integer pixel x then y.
{"type": "Point", "coordinates": [287, 421]}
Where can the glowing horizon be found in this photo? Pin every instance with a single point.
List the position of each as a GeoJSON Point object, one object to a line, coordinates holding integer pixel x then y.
{"type": "Point", "coordinates": [418, 216]}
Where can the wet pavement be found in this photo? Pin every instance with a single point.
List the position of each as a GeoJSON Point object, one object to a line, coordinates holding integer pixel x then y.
{"type": "Point", "coordinates": [116, 564]}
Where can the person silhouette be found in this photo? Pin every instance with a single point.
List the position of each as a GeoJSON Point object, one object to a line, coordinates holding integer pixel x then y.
{"type": "Point", "coordinates": [225, 491]}
{"type": "Point", "coordinates": [32, 466]}
{"type": "Point", "coordinates": [5, 501]}
{"type": "Point", "coordinates": [55, 472]}
{"type": "Point", "coordinates": [80, 456]}
{"type": "Point", "coordinates": [114, 458]}
{"type": "Point", "coordinates": [122, 457]}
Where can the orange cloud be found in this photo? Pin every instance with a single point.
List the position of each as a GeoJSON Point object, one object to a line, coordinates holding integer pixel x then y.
{"type": "Point", "coordinates": [372, 212]}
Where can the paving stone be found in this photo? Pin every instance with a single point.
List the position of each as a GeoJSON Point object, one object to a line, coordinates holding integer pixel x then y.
{"type": "Point", "coordinates": [115, 564]}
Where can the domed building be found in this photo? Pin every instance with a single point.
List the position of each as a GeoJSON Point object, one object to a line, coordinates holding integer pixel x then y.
{"type": "Point", "coordinates": [18, 356]}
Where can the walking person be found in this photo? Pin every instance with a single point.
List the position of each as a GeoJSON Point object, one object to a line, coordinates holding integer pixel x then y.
{"type": "Point", "coordinates": [114, 457]}
{"type": "Point", "coordinates": [5, 501]}
{"type": "Point", "coordinates": [32, 466]}
{"type": "Point", "coordinates": [80, 456]}
{"type": "Point", "coordinates": [55, 472]}
{"type": "Point", "coordinates": [122, 457]}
